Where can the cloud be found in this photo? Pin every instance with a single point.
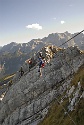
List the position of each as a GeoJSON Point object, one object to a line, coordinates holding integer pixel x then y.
{"type": "Point", "coordinates": [34, 26]}
{"type": "Point", "coordinates": [62, 22]}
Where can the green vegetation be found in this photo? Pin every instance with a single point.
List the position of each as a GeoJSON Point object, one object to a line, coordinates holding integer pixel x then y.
{"type": "Point", "coordinates": [8, 77]}
{"type": "Point", "coordinates": [79, 76]}
{"type": "Point", "coordinates": [5, 79]}
{"type": "Point", "coordinates": [57, 115]}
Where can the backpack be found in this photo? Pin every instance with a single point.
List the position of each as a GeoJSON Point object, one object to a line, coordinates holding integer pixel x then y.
{"type": "Point", "coordinates": [43, 64]}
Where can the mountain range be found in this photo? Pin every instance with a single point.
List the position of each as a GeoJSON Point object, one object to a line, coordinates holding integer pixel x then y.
{"type": "Point", "coordinates": [54, 39]}
{"type": "Point", "coordinates": [13, 55]}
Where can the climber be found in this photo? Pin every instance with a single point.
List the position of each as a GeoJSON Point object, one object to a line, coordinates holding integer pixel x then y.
{"type": "Point", "coordinates": [30, 63]}
{"type": "Point", "coordinates": [21, 71]}
{"type": "Point", "coordinates": [41, 63]}
{"type": "Point", "coordinates": [10, 83]}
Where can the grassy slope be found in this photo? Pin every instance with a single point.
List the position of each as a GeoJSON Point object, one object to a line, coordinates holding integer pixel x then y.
{"type": "Point", "coordinates": [5, 79]}
{"type": "Point", "coordinates": [56, 114]}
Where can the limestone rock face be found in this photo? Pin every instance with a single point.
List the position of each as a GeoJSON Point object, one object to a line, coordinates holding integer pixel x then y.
{"type": "Point", "coordinates": [28, 99]}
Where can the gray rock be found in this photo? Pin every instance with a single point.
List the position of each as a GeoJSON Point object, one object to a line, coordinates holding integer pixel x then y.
{"type": "Point", "coordinates": [27, 100]}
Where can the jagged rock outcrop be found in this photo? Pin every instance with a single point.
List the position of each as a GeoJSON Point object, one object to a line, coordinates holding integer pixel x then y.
{"type": "Point", "coordinates": [28, 99]}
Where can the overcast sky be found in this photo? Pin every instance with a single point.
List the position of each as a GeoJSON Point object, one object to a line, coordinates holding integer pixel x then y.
{"type": "Point", "coordinates": [23, 20]}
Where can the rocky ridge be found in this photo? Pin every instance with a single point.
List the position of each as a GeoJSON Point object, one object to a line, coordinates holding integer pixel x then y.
{"type": "Point", "coordinates": [27, 101]}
